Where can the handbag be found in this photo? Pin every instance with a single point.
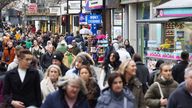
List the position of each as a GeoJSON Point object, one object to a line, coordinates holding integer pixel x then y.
{"type": "Point", "coordinates": [161, 92]}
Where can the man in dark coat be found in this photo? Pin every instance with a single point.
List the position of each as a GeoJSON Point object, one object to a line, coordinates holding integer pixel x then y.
{"type": "Point", "coordinates": [178, 69]}
{"type": "Point", "coordinates": [181, 97]}
{"type": "Point", "coordinates": [22, 84]}
{"type": "Point", "coordinates": [57, 59]}
{"type": "Point", "coordinates": [142, 72]}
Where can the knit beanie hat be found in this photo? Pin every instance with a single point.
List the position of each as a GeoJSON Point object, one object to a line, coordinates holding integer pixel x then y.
{"type": "Point", "coordinates": [58, 55]}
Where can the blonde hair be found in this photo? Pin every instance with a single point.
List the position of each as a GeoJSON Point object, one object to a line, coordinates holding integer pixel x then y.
{"type": "Point", "coordinates": [72, 78]}
{"type": "Point", "coordinates": [123, 66]}
{"type": "Point", "coordinates": [49, 68]}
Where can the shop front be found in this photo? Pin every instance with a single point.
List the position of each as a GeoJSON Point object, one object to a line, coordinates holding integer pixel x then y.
{"type": "Point", "coordinates": [171, 32]}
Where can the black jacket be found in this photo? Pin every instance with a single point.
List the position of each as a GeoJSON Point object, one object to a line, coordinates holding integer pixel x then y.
{"type": "Point", "coordinates": [64, 69]}
{"type": "Point", "coordinates": [142, 74]}
{"type": "Point", "coordinates": [178, 71]}
{"type": "Point", "coordinates": [28, 92]}
{"type": "Point", "coordinates": [46, 60]}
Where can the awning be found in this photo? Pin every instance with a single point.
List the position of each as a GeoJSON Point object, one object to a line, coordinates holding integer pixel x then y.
{"type": "Point", "coordinates": [165, 19]}
{"type": "Point", "coordinates": [175, 4]}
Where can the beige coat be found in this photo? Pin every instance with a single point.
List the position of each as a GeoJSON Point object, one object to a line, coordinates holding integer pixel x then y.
{"type": "Point", "coordinates": [47, 87]}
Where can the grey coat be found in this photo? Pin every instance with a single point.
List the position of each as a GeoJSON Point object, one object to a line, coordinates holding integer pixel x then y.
{"type": "Point", "coordinates": [109, 99]}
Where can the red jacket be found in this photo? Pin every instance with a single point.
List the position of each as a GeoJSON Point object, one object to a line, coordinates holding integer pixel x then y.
{"type": "Point", "coordinates": [8, 57]}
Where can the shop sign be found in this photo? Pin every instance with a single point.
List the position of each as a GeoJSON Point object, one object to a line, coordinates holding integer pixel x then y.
{"type": "Point", "coordinates": [93, 4]}
{"type": "Point", "coordinates": [32, 8]}
{"type": "Point", "coordinates": [132, 1]}
{"type": "Point", "coordinates": [175, 12]}
{"type": "Point", "coordinates": [82, 19]}
{"type": "Point", "coordinates": [112, 3]}
{"type": "Point", "coordinates": [74, 7]}
{"type": "Point", "coordinates": [55, 10]}
{"type": "Point", "coordinates": [94, 19]}
{"type": "Point", "coordinates": [38, 18]}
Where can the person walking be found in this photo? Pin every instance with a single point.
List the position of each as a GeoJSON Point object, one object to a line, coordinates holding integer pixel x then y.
{"type": "Point", "coordinates": [71, 94]}
{"type": "Point", "coordinates": [158, 93]}
{"type": "Point", "coordinates": [178, 69]}
{"type": "Point", "coordinates": [49, 82]}
{"type": "Point", "coordinates": [128, 70]}
{"type": "Point", "coordinates": [22, 84]}
{"type": "Point", "coordinates": [181, 97]}
{"type": "Point", "coordinates": [116, 96]}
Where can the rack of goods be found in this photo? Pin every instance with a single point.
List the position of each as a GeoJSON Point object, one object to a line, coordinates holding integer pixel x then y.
{"type": "Point", "coordinates": [101, 47]}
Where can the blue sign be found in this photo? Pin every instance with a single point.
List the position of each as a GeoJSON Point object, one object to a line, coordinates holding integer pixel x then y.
{"type": "Point", "coordinates": [82, 19]}
{"type": "Point", "coordinates": [94, 19]}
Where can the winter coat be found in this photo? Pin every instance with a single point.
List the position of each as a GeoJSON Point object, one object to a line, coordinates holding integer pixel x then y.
{"type": "Point", "coordinates": [64, 69]}
{"type": "Point", "coordinates": [109, 99]}
{"type": "Point", "coordinates": [28, 91]}
{"type": "Point", "coordinates": [136, 87]}
{"type": "Point", "coordinates": [47, 87]}
{"type": "Point", "coordinates": [93, 93]}
{"type": "Point", "coordinates": [57, 100]}
{"type": "Point", "coordinates": [142, 73]}
{"type": "Point", "coordinates": [8, 55]}
{"type": "Point", "coordinates": [130, 49]}
{"type": "Point", "coordinates": [153, 96]}
{"type": "Point", "coordinates": [180, 98]}
{"type": "Point", "coordinates": [46, 60]}
{"type": "Point", "coordinates": [178, 71]}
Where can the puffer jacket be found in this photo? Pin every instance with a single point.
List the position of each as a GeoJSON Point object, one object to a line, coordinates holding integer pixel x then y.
{"type": "Point", "coordinates": [109, 99]}
{"type": "Point", "coordinates": [152, 96]}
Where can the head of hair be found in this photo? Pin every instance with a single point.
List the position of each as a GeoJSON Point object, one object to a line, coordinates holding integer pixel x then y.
{"type": "Point", "coordinates": [185, 55]}
{"type": "Point", "coordinates": [159, 62]}
{"type": "Point", "coordinates": [137, 57]}
{"type": "Point", "coordinates": [123, 66]}
{"type": "Point", "coordinates": [17, 50]}
{"type": "Point", "coordinates": [162, 65]}
{"type": "Point", "coordinates": [23, 52]}
{"type": "Point", "coordinates": [87, 68]}
{"type": "Point", "coordinates": [50, 67]}
{"type": "Point", "coordinates": [72, 78]}
{"type": "Point", "coordinates": [34, 62]}
{"type": "Point", "coordinates": [112, 77]}
{"type": "Point", "coordinates": [188, 71]}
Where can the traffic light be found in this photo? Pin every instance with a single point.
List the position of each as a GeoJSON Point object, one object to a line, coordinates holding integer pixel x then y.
{"type": "Point", "coordinates": [63, 20]}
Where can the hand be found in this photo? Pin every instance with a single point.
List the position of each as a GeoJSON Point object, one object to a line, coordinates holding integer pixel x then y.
{"type": "Point", "coordinates": [163, 102]}
{"type": "Point", "coordinates": [17, 104]}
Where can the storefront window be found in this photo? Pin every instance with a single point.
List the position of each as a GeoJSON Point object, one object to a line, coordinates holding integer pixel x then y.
{"type": "Point", "coordinates": [117, 23]}
{"type": "Point", "coordinates": [143, 30]}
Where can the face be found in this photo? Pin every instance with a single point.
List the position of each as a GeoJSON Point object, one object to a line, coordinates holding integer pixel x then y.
{"type": "Point", "coordinates": [10, 44]}
{"type": "Point", "coordinates": [25, 62]}
{"type": "Point", "coordinates": [131, 68]}
{"type": "Point", "coordinates": [126, 42]}
{"type": "Point", "coordinates": [78, 63]}
{"type": "Point", "coordinates": [56, 62]}
{"type": "Point", "coordinates": [72, 90]}
{"type": "Point", "coordinates": [166, 72]}
{"type": "Point", "coordinates": [117, 85]}
{"type": "Point", "coordinates": [112, 57]}
{"type": "Point", "coordinates": [84, 74]}
{"type": "Point", "coordinates": [35, 42]}
{"type": "Point", "coordinates": [53, 74]}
